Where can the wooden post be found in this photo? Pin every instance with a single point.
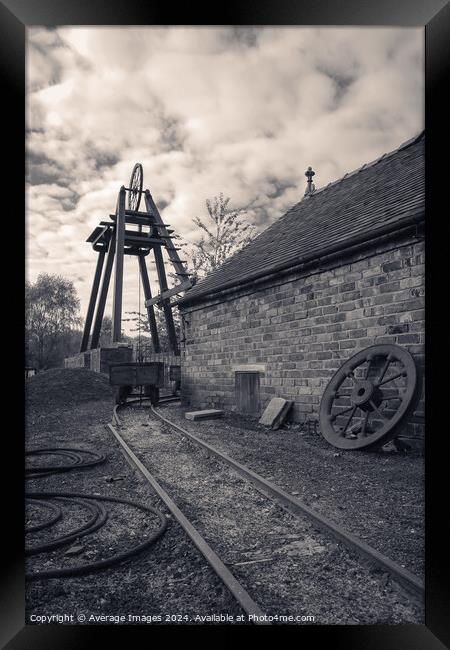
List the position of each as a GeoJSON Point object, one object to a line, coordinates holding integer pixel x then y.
{"type": "Point", "coordinates": [166, 303]}
{"type": "Point", "coordinates": [150, 309]}
{"type": "Point", "coordinates": [92, 301]}
{"type": "Point", "coordinates": [104, 291]}
{"type": "Point", "coordinates": [177, 264]}
{"type": "Point", "coordinates": [118, 278]}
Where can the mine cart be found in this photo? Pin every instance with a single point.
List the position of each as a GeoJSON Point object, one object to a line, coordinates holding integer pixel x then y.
{"type": "Point", "coordinates": [126, 376]}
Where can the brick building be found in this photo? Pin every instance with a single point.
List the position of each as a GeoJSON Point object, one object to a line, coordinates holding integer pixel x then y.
{"type": "Point", "coordinates": [343, 269]}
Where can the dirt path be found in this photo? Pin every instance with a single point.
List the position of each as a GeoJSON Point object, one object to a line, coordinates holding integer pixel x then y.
{"type": "Point", "coordinates": [171, 579]}
{"type": "Point", "coordinates": [286, 565]}
{"type": "Point", "coordinates": [377, 496]}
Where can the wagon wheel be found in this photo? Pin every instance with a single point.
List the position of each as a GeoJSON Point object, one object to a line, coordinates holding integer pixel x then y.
{"type": "Point", "coordinates": [135, 187]}
{"type": "Point", "coordinates": [369, 398]}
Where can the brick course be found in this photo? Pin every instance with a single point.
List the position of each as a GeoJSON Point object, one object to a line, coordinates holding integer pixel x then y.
{"type": "Point", "coordinates": [303, 327]}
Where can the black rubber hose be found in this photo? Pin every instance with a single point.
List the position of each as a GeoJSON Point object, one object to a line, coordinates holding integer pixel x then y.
{"type": "Point", "coordinates": [99, 564]}
{"type": "Point", "coordinates": [98, 518]}
{"type": "Point", "coordinates": [57, 514]}
{"type": "Point", "coordinates": [75, 455]}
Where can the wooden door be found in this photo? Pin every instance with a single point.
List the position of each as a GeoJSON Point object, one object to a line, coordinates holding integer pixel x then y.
{"type": "Point", "coordinates": [247, 393]}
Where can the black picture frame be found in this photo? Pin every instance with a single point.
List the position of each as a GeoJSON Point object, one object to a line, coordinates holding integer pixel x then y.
{"type": "Point", "coordinates": [434, 16]}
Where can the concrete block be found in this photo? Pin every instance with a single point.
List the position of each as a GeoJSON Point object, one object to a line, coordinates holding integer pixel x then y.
{"type": "Point", "coordinates": [203, 415]}
{"type": "Point", "coordinates": [275, 412]}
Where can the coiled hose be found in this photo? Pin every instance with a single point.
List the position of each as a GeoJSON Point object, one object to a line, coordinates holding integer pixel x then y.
{"type": "Point", "coordinates": [93, 503]}
{"type": "Point", "coordinates": [99, 517]}
{"type": "Point", "coordinates": [72, 454]}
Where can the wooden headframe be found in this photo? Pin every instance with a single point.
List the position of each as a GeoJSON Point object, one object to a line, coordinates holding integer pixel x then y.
{"type": "Point", "coordinates": [113, 240]}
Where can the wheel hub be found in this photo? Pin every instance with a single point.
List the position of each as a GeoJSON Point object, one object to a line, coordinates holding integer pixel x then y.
{"type": "Point", "coordinates": [364, 392]}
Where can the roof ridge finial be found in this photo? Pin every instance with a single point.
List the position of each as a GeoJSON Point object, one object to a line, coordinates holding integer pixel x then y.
{"type": "Point", "coordinates": [310, 187]}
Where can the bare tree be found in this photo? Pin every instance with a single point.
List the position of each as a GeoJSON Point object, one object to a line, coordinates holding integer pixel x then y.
{"type": "Point", "coordinates": [224, 232]}
{"type": "Point", "coordinates": [105, 332]}
{"type": "Point", "coordinates": [51, 314]}
{"type": "Point", "coordinates": [141, 325]}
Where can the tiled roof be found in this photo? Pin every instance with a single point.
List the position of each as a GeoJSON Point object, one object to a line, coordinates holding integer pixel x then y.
{"type": "Point", "coordinates": [388, 192]}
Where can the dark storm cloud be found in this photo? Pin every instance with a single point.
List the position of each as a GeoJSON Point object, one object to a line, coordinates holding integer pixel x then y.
{"type": "Point", "coordinates": [280, 187]}
{"type": "Point", "coordinates": [99, 158]}
{"type": "Point", "coordinates": [246, 36]}
{"type": "Point", "coordinates": [40, 170]}
{"type": "Point", "coordinates": [342, 82]}
{"type": "Point", "coordinates": [172, 137]}
{"type": "Point", "coordinates": [241, 111]}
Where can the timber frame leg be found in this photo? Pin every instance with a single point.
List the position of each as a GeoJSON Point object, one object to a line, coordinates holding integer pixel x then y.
{"type": "Point", "coordinates": [150, 308]}
{"type": "Point", "coordinates": [92, 302]}
{"type": "Point", "coordinates": [118, 277]}
{"type": "Point", "coordinates": [103, 292]}
{"type": "Point", "coordinates": [173, 342]}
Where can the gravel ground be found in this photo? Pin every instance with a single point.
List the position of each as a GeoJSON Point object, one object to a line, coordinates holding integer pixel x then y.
{"type": "Point", "coordinates": [270, 551]}
{"type": "Point", "coordinates": [377, 496]}
{"type": "Point", "coordinates": [169, 579]}
{"type": "Point", "coordinates": [287, 566]}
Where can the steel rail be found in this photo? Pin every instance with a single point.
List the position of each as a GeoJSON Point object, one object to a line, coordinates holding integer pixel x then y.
{"type": "Point", "coordinates": [233, 585]}
{"type": "Point", "coordinates": [163, 400]}
{"type": "Point", "coordinates": [296, 507]}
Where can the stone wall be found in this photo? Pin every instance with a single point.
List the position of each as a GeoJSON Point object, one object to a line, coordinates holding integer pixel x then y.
{"type": "Point", "coordinates": [299, 329]}
{"type": "Point", "coordinates": [99, 359]}
{"type": "Point", "coordinates": [81, 360]}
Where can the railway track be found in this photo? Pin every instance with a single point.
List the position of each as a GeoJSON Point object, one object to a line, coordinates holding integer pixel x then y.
{"type": "Point", "coordinates": [238, 591]}
{"type": "Point", "coordinates": [270, 491]}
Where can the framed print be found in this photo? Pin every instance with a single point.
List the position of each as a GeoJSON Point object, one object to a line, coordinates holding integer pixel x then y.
{"type": "Point", "coordinates": [233, 303]}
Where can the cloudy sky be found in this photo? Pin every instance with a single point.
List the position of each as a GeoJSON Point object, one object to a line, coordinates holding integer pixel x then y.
{"type": "Point", "coordinates": [241, 111]}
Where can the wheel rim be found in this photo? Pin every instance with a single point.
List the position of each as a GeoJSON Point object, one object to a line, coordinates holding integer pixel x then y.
{"type": "Point", "coordinates": [368, 398]}
{"type": "Point", "coordinates": [135, 188]}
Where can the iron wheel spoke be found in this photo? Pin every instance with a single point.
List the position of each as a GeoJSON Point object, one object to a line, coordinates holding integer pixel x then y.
{"type": "Point", "coordinates": [342, 412]}
{"type": "Point", "coordinates": [375, 408]}
{"type": "Point", "coordinates": [399, 374]}
{"type": "Point", "coordinates": [349, 420]}
{"type": "Point", "coordinates": [385, 367]}
{"type": "Point", "coordinates": [364, 425]}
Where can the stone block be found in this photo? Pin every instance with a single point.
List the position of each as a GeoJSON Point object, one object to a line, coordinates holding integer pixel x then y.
{"type": "Point", "coordinates": [203, 415]}
{"type": "Point", "coordinates": [275, 412]}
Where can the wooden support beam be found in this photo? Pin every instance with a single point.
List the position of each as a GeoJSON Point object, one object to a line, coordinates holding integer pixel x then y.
{"type": "Point", "coordinates": [137, 221]}
{"type": "Point", "coordinates": [143, 219]}
{"type": "Point", "coordinates": [137, 251]}
{"type": "Point", "coordinates": [164, 234]}
{"type": "Point", "coordinates": [103, 291]}
{"type": "Point", "coordinates": [142, 239]}
{"type": "Point", "coordinates": [170, 325]}
{"type": "Point", "coordinates": [184, 286]}
{"type": "Point", "coordinates": [136, 213]}
{"type": "Point", "coordinates": [100, 232]}
{"type": "Point", "coordinates": [150, 308]}
{"type": "Point", "coordinates": [118, 277]}
{"type": "Point", "coordinates": [92, 302]}
{"type": "Point", "coordinates": [101, 248]}
{"type": "Point", "coordinates": [100, 235]}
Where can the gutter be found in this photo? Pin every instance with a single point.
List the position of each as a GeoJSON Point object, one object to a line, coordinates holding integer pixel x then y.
{"type": "Point", "coordinates": [382, 234]}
